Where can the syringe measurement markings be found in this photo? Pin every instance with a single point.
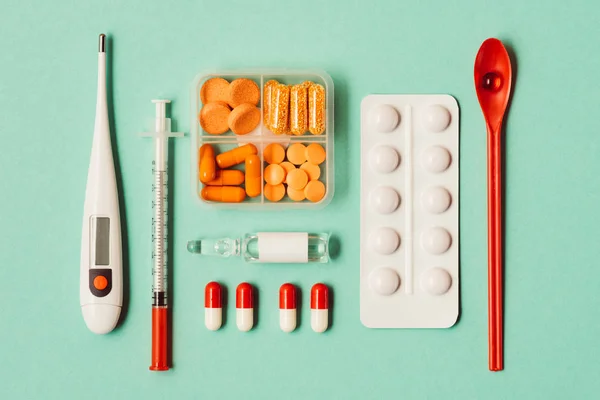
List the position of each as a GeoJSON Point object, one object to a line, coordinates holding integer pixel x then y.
{"type": "Point", "coordinates": [159, 236]}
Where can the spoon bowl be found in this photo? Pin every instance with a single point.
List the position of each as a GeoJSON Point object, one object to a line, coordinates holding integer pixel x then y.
{"type": "Point", "coordinates": [493, 76]}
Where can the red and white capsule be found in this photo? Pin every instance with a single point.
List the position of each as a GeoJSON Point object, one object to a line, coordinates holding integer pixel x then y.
{"type": "Point", "coordinates": [213, 306]}
{"type": "Point", "coordinates": [244, 307]}
{"type": "Point", "coordinates": [319, 307]}
{"type": "Point", "coordinates": [287, 307]}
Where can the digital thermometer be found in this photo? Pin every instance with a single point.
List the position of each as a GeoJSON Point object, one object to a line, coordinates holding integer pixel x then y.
{"type": "Point", "coordinates": [101, 272]}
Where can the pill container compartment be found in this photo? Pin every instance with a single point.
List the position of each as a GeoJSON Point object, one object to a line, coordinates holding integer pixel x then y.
{"type": "Point", "coordinates": [262, 137]}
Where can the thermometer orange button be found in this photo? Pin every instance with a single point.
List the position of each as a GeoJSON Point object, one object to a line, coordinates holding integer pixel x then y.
{"type": "Point", "coordinates": [100, 282]}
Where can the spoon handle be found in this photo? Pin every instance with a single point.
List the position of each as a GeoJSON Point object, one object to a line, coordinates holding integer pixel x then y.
{"type": "Point", "coordinates": [495, 317]}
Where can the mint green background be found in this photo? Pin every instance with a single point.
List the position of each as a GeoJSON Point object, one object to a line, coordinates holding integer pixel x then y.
{"type": "Point", "coordinates": [47, 97]}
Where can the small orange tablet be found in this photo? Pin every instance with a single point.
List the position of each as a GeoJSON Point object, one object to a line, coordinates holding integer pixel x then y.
{"type": "Point", "coordinates": [274, 174]}
{"type": "Point", "coordinates": [296, 153]}
{"type": "Point", "coordinates": [314, 191]}
{"type": "Point", "coordinates": [214, 89]}
{"type": "Point", "coordinates": [315, 153]}
{"type": "Point", "coordinates": [288, 166]}
{"type": "Point", "coordinates": [296, 195]}
{"type": "Point", "coordinates": [297, 179]}
{"type": "Point", "coordinates": [313, 171]}
{"type": "Point", "coordinates": [243, 90]}
{"type": "Point", "coordinates": [274, 193]}
{"type": "Point", "coordinates": [274, 153]}
{"type": "Point", "coordinates": [244, 119]}
{"type": "Point", "coordinates": [213, 117]}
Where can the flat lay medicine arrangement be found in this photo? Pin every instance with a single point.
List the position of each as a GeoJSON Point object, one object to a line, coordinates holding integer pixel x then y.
{"type": "Point", "coordinates": [263, 140]}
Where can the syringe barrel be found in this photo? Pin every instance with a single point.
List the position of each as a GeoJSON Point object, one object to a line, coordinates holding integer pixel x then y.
{"type": "Point", "coordinates": [161, 153]}
{"type": "Point", "coordinates": [159, 238]}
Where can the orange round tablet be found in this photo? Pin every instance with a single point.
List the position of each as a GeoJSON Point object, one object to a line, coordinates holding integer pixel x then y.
{"type": "Point", "coordinates": [214, 89]}
{"type": "Point", "coordinates": [296, 153]}
{"type": "Point", "coordinates": [313, 171]}
{"type": "Point", "coordinates": [315, 153]}
{"type": "Point", "coordinates": [274, 174]}
{"type": "Point", "coordinates": [213, 118]}
{"type": "Point", "coordinates": [274, 153]}
{"type": "Point", "coordinates": [274, 193]}
{"type": "Point", "coordinates": [314, 191]}
{"type": "Point", "coordinates": [297, 179]}
{"type": "Point", "coordinates": [243, 90]}
{"type": "Point", "coordinates": [244, 119]}
{"type": "Point", "coordinates": [296, 195]}
{"type": "Point", "coordinates": [288, 166]}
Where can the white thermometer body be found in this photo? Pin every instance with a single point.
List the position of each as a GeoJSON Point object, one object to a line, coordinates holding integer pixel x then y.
{"type": "Point", "coordinates": [101, 269]}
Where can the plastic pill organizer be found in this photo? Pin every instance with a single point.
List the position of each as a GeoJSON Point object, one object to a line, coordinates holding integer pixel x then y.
{"type": "Point", "coordinates": [262, 136]}
{"type": "Point", "coordinates": [409, 258]}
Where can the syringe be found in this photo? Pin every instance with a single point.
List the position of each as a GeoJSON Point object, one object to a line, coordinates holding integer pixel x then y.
{"type": "Point", "coordinates": [162, 133]}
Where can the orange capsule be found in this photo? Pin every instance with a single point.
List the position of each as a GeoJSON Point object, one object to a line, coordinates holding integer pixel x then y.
{"type": "Point", "coordinates": [223, 194]}
{"type": "Point", "coordinates": [298, 109]}
{"type": "Point", "coordinates": [207, 168]}
{"type": "Point", "coordinates": [227, 177]}
{"type": "Point", "coordinates": [316, 109]}
{"type": "Point", "coordinates": [253, 181]}
{"type": "Point", "coordinates": [235, 156]}
{"type": "Point", "coordinates": [279, 109]}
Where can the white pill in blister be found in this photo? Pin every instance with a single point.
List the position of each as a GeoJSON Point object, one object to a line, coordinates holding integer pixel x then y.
{"type": "Point", "coordinates": [436, 240]}
{"type": "Point", "coordinates": [384, 281]}
{"type": "Point", "coordinates": [384, 200]}
{"type": "Point", "coordinates": [436, 118]}
{"type": "Point", "coordinates": [384, 118]}
{"type": "Point", "coordinates": [384, 159]}
{"type": "Point", "coordinates": [436, 199]}
{"type": "Point", "coordinates": [384, 240]}
{"type": "Point", "coordinates": [436, 159]}
{"type": "Point", "coordinates": [436, 281]}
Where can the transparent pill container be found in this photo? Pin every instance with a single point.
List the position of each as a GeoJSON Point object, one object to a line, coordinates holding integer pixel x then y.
{"type": "Point", "coordinates": [316, 120]}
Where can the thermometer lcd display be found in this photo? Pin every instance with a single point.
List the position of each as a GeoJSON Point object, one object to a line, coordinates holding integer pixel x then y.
{"type": "Point", "coordinates": [101, 234]}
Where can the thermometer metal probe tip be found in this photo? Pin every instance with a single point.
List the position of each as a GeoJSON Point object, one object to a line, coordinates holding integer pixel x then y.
{"type": "Point", "coordinates": [102, 43]}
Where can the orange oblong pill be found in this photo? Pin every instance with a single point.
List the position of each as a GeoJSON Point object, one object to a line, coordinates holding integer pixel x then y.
{"type": "Point", "coordinates": [223, 194]}
{"type": "Point", "coordinates": [296, 153]}
{"type": "Point", "coordinates": [274, 153]}
{"type": "Point", "coordinates": [297, 179]}
{"type": "Point", "coordinates": [227, 177]}
{"type": "Point", "coordinates": [235, 156]}
{"type": "Point", "coordinates": [314, 191]}
{"type": "Point", "coordinates": [315, 153]}
{"type": "Point", "coordinates": [279, 108]}
{"type": "Point", "coordinates": [253, 181]}
{"type": "Point", "coordinates": [266, 102]}
{"type": "Point", "coordinates": [274, 192]}
{"type": "Point", "coordinates": [316, 109]}
{"type": "Point", "coordinates": [313, 171]}
{"type": "Point", "coordinates": [274, 174]}
{"type": "Point", "coordinates": [298, 109]}
{"type": "Point", "coordinates": [206, 165]}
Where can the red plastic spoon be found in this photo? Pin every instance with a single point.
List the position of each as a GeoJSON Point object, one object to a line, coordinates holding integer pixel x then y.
{"type": "Point", "coordinates": [493, 76]}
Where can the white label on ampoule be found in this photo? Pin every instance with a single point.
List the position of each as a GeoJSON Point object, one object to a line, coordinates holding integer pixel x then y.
{"type": "Point", "coordinates": [283, 247]}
